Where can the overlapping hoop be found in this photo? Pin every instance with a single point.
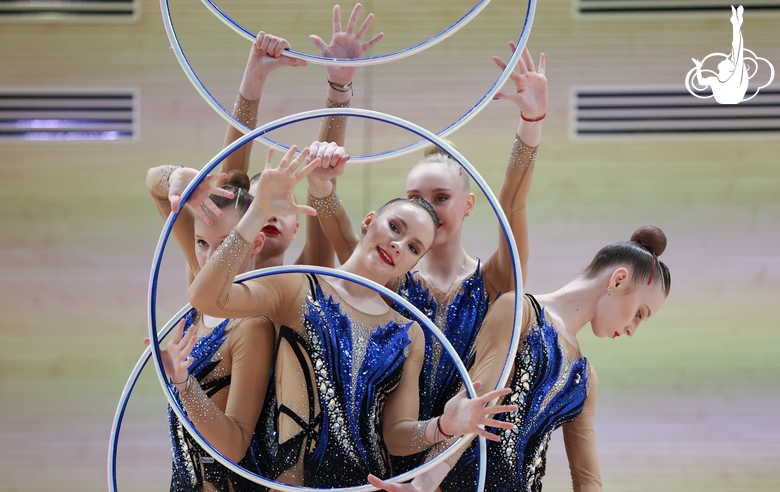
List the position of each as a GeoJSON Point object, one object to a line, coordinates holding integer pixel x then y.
{"type": "Point", "coordinates": [356, 62]}
{"type": "Point", "coordinates": [357, 159]}
{"type": "Point", "coordinates": [154, 351]}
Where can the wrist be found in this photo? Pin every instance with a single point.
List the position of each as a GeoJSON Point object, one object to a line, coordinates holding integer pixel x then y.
{"type": "Point", "coordinates": [440, 427]}
{"type": "Point", "coordinates": [319, 188]}
{"type": "Point", "coordinates": [532, 118]}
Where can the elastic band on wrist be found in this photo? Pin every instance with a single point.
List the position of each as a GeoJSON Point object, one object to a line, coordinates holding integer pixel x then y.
{"type": "Point", "coordinates": [441, 431]}
{"type": "Point", "coordinates": [341, 87]}
{"type": "Point", "coordinates": [532, 120]}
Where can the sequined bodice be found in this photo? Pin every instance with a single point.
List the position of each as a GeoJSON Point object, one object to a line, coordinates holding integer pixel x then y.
{"type": "Point", "coordinates": [353, 367]}
{"type": "Point", "coordinates": [192, 465]}
{"type": "Point", "coordinates": [459, 320]}
{"type": "Point", "coordinates": [550, 389]}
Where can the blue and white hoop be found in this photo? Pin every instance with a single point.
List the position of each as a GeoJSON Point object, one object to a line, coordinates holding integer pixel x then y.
{"type": "Point", "coordinates": [357, 159]}
{"type": "Point", "coordinates": [154, 351]}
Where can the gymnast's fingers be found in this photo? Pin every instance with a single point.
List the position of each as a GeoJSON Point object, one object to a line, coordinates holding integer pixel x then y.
{"type": "Point", "coordinates": [353, 17]}
{"type": "Point", "coordinates": [371, 42]}
{"type": "Point", "coordinates": [529, 61]}
{"type": "Point", "coordinates": [364, 27]}
{"type": "Point", "coordinates": [336, 19]}
{"type": "Point", "coordinates": [542, 63]}
{"type": "Point", "coordinates": [298, 159]}
{"type": "Point", "coordinates": [269, 159]}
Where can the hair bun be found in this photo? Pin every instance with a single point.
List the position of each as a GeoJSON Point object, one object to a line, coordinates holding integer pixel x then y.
{"type": "Point", "coordinates": [651, 238]}
{"type": "Point", "coordinates": [238, 179]}
{"type": "Point", "coordinates": [435, 149]}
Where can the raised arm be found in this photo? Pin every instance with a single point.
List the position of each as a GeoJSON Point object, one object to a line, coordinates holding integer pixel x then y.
{"type": "Point", "coordinates": [531, 99]}
{"type": "Point", "coordinates": [265, 56]}
{"type": "Point", "coordinates": [321, 242]}
{"type": "Point", "coordinates": [166, 185]}
{"type": "Point", "coordinates": [213, 292]}
{"type": "Point", "coordinates": [331, 213]}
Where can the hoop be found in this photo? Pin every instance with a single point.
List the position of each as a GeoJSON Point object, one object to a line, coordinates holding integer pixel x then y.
{"type": "Point", "coordinates": [355, 62]}
{"type": "Point", "coordinates": [357, 159]}
{"type": "Point", "coordinates": [152, 305]}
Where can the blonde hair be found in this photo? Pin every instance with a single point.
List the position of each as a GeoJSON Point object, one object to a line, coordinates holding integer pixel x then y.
{"type": "Point", "coordinates": [436, 155]}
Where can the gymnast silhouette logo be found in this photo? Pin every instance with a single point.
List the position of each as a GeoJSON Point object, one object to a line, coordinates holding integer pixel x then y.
{"type": "Point", "coordinates": [735, 70]}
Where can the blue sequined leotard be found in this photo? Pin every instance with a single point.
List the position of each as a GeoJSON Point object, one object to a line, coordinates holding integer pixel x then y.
{"type": "Point", "coordinates": [192, 465]}
{"type": "Point", "coordinates": [460, 321]}
{"type": "Point", "coordinates": [550, 389]}
{"type": "Point", "coordinates": [348, 369]}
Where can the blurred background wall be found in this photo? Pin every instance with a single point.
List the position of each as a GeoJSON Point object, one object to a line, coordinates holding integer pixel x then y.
{"type": "Point", "coordinates": [690, 403]}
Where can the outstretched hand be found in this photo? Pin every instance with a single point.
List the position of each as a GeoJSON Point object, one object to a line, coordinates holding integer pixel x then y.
{"type": "Point", "coordinates": [275, 189]}
{"type": "Point", "coordinates": [265, 56]}
{"type": "Point", "coordinates": [199, 200]}
{"type": "Point", "coordinates": [464, 415]}
{"type": "Point", "coordinates": [346, 44]}
{"type": "Point", "coordinates": [176, 356]}
{"type": "Point", "coordinates": [531, 84]}
{"type": "Point", "coordinates": [332, 157]}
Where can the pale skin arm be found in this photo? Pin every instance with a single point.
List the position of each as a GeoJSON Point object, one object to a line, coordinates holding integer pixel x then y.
{"type": "Point", "coordinates": [337, 225]}
{"type": "Point", "coordinates": [170, 201]}
{"type": "Point", "coordinates": [265, 56]}
{"type": "Point", "coordinates": [530, 96]}
{"type": "Point", "coordinates": [579, 437]}
{"type": "Point", "coordinates": [462, 415]}
{"type": "Point", "coordinates": [213, 292]}
{"type": "Point", "coordinates": [251, 346]}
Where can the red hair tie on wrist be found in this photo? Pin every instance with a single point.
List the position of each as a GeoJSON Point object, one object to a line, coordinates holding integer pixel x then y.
{"type": "Point", "coordinates": [533, 120]}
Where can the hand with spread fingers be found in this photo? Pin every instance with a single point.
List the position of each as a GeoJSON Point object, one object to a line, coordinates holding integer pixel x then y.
{"type": "Point", "coordinates": [530, 95]}
{"type": "Point", "coordinates": [265, 56]}
{"type": "Point", "coordinates": [346, 44]}
{"type": "Point", "coordinates": [275, 190]}
{"type": "Point", "coordinates": [199, 200]}
{"type": "Point", "coordinates": [463, 415]}
{"type": "Point", "coordinates": [176, 356]}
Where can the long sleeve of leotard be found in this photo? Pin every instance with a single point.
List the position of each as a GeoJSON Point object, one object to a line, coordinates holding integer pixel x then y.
{"type": "Point", "coordinates": [318, 249]}
{"type": "Point", "coordinates": [512, 197]}
{"type": "Point", "coordinates": [184, 227]}
{"type": "Point", "coordinates": [336, 224]}
{"type": "Point", "coordinates": [250, 349]}
{"type": "Point", "coordinates": [580, 439]}
{"type": "Point", "coordinates": [245, 110]}
{"type": "Point", "coordinates": [213, 292]}
{"type": "Point", "coordinates": [403, 433]}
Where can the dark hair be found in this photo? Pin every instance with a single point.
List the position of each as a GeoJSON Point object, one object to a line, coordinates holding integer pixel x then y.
{"type": "Point", "coordinates": [238, 183]}
{"type": "Point", "coordinates": [435, 154]}
{"type": "Point", "coordinates": [640, 254]}
{"type": "Point", "coordinates": [420, 202]}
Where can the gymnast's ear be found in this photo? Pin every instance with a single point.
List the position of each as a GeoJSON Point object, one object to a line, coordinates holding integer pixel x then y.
{"type": "Point", "coordinates": [366, 222]}
{"type": "Point", "coordinates": [258, 244]}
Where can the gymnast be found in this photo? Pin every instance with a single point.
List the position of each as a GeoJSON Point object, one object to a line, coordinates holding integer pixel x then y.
{"type": "Point", "coordinates": [552, 383]}
{"type": "Point", "coordinates": [452, 288]}
{"type": "Point", "coordinates": [347, 365]}
{"type": "Point", "coordinates": [222, 360]}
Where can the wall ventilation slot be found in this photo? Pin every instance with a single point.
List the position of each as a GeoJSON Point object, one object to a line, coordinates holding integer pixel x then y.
{"type": "Point", "coordinates": [48, 115]}
{"type": "Point", "coordinates": [634, 111]}
{"type": "Point", "coordinates": [69, 10]}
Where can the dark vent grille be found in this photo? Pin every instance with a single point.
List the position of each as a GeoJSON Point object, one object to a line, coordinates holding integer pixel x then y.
{"type": "Point", "coordinates": [68, 116]}
{"type": "Point", "coordinates": [629, 111]}
{"type": "Point", "coordinates": [670, 6]}
{"type": "Point", "coordinates": [65, 10]}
